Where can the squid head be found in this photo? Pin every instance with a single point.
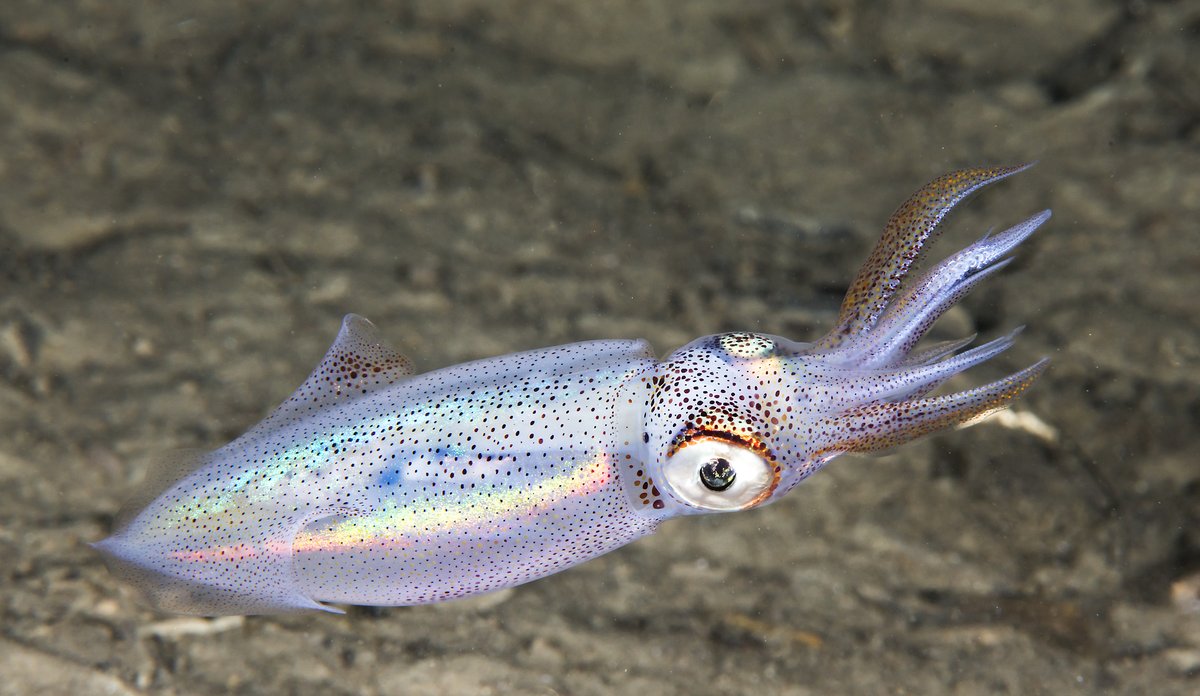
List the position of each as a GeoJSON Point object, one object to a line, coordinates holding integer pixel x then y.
{"type": "Point", "coordinates": [736, 420]}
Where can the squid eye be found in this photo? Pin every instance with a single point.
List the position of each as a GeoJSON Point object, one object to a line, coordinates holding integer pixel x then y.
{"type": "Point", "coordinates": [718, 475]}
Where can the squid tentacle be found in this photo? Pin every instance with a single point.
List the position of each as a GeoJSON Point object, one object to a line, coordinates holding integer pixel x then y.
{"type": "Point", "coordinates": [911, 314]}
{"type": "Point", "coordinates": [907, 232]}
{"type": "Point", "coordinates": [880, 426]}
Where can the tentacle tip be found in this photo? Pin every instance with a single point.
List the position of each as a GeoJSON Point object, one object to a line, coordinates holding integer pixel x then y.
{"type": "Point", "coordinates": [1022, 380]}
{"type": "Point", "coordinates": [1005, 171]}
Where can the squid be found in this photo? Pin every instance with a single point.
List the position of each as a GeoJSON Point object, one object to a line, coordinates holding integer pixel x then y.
{"type": "Point", "coordinates": [374, 485]}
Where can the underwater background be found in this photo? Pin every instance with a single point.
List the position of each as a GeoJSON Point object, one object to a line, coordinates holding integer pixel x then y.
{"type": "Point", "coordinates": [193, 194]}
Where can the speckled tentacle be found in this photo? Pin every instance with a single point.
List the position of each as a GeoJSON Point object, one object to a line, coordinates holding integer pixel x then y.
{"type": "Point", "coordinates": [911, 314]}
{"type": "Point", "coordinates": [879, 426]}
{"type": "Point", "coordinates": [938, 351]}
{"type": "Point", "coordinates": [906, 233]}
{"type": "Point", "coordinates": [912, 381]}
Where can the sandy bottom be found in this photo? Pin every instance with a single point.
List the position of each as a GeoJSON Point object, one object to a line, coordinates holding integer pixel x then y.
{"type": "Point", "coordinates": [192, 197]}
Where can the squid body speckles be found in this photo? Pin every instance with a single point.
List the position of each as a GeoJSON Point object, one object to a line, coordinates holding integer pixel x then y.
{"type": "Point", "coordinates": [375, 485]}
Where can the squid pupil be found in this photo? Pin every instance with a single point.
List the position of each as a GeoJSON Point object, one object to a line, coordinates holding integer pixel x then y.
{"type": "Point", "coordinates": [717, 474]}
